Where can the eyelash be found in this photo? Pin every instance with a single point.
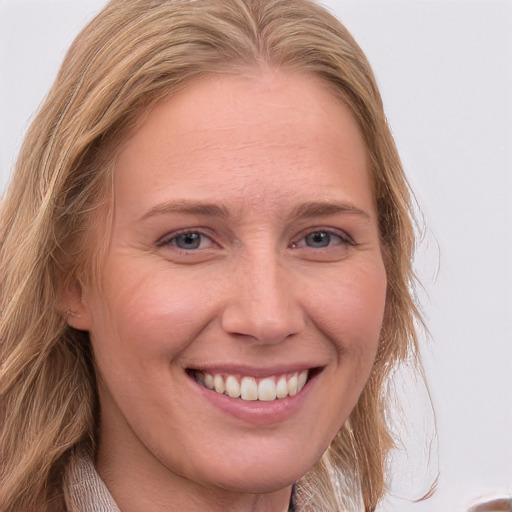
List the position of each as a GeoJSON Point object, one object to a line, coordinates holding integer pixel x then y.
{"type": "Point", "coordinates": [171, 238]}
{"type": "Point", "coordinates": [342, 236]}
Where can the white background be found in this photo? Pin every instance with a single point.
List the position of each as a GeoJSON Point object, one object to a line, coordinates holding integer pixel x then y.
{"type": "Point", "coordinates": [445, 72]}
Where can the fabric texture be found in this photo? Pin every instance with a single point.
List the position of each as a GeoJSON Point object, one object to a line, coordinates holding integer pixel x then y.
{"type": "Point", "coordinates": [84, 490]}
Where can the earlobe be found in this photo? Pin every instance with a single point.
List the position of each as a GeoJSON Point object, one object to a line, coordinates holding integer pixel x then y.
{"type": "Point", "coordinates": [74, 307]}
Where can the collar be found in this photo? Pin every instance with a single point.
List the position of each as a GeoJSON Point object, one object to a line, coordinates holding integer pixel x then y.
{"type": "Point", "coordinates": [84, 490]}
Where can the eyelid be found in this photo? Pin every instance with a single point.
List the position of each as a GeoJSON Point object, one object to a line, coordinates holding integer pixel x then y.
{"type": "Point", "coordinates": [167, 238]}
{"type": "Point", "coordinates": [345, 237]}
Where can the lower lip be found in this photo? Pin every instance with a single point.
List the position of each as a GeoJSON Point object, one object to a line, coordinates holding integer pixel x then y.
{"type": "Point", "coordinates": [258, 412]}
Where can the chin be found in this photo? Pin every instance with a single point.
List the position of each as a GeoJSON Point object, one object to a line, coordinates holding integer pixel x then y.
{"type": "Point", "coordinates": [262, 471]}
{"type": "Point", "coordinates": [259, 480]}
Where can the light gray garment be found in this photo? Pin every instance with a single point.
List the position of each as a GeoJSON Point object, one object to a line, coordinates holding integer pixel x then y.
{"type": "Point", "coordinates": [84, 490]}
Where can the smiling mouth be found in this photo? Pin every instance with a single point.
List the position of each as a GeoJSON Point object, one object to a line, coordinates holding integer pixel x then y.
{"type": "Point", "coordinates": [249, 388]}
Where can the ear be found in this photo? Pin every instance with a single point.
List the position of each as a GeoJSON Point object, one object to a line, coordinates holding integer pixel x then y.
{"type": "Point", "coordinates": [74, 307]}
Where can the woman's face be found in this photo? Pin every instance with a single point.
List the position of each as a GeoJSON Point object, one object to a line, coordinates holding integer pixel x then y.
{"type": "Point", "coordinates": [243, 255]}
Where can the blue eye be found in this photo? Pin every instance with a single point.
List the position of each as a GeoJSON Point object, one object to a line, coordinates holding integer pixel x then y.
{"type": "Point", "coordinates": [323, 239]}
{"type": "Point", "coordinates": [187, 241]}
{"type": "Point", "coordinates": [320, 239]}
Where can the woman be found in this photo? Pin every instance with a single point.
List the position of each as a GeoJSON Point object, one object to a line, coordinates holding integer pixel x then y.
{"type": "Point", "coordinates": [206, 268]}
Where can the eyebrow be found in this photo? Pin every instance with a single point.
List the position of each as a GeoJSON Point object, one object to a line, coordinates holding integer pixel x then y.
{"type": "Point", "coordinates": [322, 208]}
{"type": "Point", "coordinates": [303, 211]}
{"type": "Point", "coordinates": [193, 208]}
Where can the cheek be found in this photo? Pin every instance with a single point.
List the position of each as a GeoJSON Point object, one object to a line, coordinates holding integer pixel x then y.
{"type": "Point", "coordinates": [348, 312]}
{"type": "Point", "coordinates": [351, 317]}
{"type": "Point", "coordinates": [148, 316]}
{"type": "Point", "coordinates": [366, 314]}
{"type": "Point", "coordinates": [351, 310]}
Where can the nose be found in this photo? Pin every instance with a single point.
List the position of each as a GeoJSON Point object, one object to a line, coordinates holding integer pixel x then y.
{"type": "Point", "coordinates": [263, 304]}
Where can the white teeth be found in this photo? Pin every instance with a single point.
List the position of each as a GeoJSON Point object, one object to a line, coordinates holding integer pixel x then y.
{"type": "Point", "coordinates": [232, 387]}
{"type": "Point", "coordinates": [208, 381]}
{"type": "Point", "coordinates": [249, 389]}
{"type": "Point", "coordinates": [218, 384]}
{"type": "Point", "coordinates": [282, 388]}
{"type": "Point", "coordinates": [292, 385]}
{"type": "Point", "coordinates": [303, 377]}
{"type": "Point", "coordinates": [266, 390]}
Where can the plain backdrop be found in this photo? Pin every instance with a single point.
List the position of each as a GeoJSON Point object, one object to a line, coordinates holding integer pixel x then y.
{"type": "Point", "coordinates": [445, 73]}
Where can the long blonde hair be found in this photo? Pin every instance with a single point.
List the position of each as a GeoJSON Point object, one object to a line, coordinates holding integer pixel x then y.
{"type": "Point", "coordinates": [134, 53]}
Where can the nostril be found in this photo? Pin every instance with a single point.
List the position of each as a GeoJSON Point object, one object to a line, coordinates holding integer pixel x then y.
{"type": "Point", "coordinates": [262, 324]}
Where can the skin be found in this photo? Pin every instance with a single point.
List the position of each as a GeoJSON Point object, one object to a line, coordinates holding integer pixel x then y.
{"type": "Point", "coordinates": [276, 157]}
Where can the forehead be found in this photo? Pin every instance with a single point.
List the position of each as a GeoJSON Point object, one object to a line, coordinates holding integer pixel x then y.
{"type": "Point", "coordinates": [254, 138]}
